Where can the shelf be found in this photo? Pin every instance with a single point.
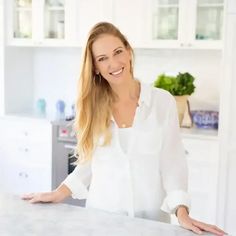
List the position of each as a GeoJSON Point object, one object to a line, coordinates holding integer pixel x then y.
{"type": "Point", "coordinates": [199, 133]}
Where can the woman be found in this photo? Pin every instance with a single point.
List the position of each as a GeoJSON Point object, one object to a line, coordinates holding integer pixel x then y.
{"type": "Point", "coordinates": [131, 159]}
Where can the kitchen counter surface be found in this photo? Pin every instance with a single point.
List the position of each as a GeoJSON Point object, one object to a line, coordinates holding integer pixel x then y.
{"type": "Point", "coordinates": [18, 217]}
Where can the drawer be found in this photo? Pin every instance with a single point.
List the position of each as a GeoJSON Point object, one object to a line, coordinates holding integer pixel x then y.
{"type": "Point", "coordinates": [28, 153]}
{"type": "Point", "coordinates": [19, 131]}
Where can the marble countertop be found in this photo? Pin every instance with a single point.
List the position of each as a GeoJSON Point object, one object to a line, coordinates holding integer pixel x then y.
{"type": "Point", "coordinates": [18, 217]}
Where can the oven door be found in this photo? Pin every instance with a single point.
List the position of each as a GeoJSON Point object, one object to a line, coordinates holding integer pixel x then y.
{"type": "Point", "coordinates": [71, 157]}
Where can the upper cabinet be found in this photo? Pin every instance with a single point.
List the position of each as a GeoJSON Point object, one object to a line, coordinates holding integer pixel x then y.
{"type": "Point", "coordinates": [147, 24]}
{"type": "Point", "coordinates": [41, 22]}
{"type": "Point", "coordinates": [185, 23]}
{"type": "Point", "coordinates": [53, 22]}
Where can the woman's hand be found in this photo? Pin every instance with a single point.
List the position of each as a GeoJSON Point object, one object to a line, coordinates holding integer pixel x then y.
{"type": "Point", "coordinates": [41, 197]}
{"type": "Point", "coordinates": [55, 196]}
{"type": "Point", "coordinates": [196, 226]}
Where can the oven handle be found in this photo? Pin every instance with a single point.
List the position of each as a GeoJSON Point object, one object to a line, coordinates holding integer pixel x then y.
{"type": "Point", "coordinates": [69, 146]}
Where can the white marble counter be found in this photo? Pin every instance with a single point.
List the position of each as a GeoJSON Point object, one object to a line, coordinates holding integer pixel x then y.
{"type": "Point", "coordinates": [20, 218]}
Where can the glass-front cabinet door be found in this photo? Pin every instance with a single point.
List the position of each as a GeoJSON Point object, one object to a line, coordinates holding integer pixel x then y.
{"type": "Point", "coordinates": [54, 19]}
{"type": "Point", "coordinates": [165, 20]}
{"type": "Point", "coordinates": [209, 20]}
{"type": "Point", "coordinates": [22, 19]}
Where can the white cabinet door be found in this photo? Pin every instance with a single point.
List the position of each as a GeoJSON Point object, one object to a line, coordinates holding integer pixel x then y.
{"type": "Point", "coordinates": [130, 17]}
{"type": "Point", "coordinates": [203, 157]}
{"type": "Point", "coordinates": [40, 22]}
{"type": "Point", "coordinates": [26, 155]}
{"type": "Point", "coordinates": [231, 6]}
{"type": "Point", "coordinates": [89, 13]}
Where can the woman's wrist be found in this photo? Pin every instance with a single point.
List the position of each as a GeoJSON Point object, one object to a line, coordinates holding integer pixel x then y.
{"type": "Point", "coordinates": [181, 210]}
{"type": "Point", "coordinates": [61, 193]}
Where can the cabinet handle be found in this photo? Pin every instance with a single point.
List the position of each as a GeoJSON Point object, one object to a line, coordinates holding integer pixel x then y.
{"type": "Point", "coordinates": [22, 174]}
{"type": "Point", "coordinates": [186, 152]}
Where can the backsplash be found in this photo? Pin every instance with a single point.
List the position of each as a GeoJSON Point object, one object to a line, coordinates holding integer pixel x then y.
{"type": "Point", "coordinates": [56, 71]}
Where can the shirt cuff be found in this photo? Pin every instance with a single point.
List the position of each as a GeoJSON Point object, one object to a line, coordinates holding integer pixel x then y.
{"type": "Point", "coordinates": [174, 199]}
{"type": "Point", "coordinates": [78, 189]}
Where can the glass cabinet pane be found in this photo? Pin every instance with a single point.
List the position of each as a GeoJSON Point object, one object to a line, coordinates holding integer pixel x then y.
{"type": "Point", "coordinates": [209, 20]}
{"type": "Point", "coordinates": [54, 21]}
{"type": "Point", "coordinates": [22, 21]}
{"type": "Point", "coordinates": [165, 19]}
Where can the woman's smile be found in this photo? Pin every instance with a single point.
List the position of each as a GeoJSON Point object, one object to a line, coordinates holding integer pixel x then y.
{"type": "Point", "coordinates": [117, 73]}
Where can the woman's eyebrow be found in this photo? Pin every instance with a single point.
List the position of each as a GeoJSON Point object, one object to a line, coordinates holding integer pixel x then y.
{"type": "Point", "coordinates": [102, 55]}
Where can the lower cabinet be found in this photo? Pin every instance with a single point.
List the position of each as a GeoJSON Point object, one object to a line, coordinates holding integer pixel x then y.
{"type": "Point", "coordinates": [202, 157]}
{"type": "Point", "coordinates": [25, 155]}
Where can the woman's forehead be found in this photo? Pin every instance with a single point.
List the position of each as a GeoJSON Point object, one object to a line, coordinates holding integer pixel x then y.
{"type": "Point", "coordinates": [106, 43]}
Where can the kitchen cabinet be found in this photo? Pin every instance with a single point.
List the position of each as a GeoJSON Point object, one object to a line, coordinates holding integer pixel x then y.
{"type": "Point", "coordinates": [150, 24]}
{"type": "Point", "coordinates": [185, 24]}
{"type": "Point", "coordinates": [203, 157]}
{"type": "Point", "coordinates": [26, 154]}
{"type": "Point", "coordinates": [41, 22]}
{"type": "Point", "coordinates": [53, 22]}
{"type": "Point", "coordinates": [90, 12]}
{"type": "Point", "coordinates": [131, 20]}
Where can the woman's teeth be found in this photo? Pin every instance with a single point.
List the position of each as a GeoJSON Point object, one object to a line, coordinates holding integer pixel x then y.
{"type": "Point", "coordinates": [117, 72]}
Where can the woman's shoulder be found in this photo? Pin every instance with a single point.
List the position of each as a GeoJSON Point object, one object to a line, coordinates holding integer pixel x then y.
{"type": "Point", "coordinates": [156, 94]}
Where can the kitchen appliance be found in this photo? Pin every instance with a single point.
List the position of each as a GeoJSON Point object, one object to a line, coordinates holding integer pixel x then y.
{"type": "Point", "coordinates": [63, 157]}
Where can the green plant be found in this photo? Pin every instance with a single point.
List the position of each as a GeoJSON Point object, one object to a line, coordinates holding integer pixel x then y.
{"type": "Point", "coordinates": [179, 85]}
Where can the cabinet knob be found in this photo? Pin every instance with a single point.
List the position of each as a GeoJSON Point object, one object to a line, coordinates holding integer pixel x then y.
{"type": "Point", "coordinates": [186, 152]}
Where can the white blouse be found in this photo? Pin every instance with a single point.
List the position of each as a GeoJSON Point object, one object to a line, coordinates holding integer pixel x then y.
{"type": "Point", "coordinates": [149, 180]}
{"type": "Point", "coordinates": [124, 138]}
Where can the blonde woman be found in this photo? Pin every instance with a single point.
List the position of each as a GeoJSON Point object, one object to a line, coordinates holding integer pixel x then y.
{"type": "Point", "coordinates": [131, 159]}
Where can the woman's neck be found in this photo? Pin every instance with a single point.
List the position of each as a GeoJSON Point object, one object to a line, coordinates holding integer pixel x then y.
{"type": "Point", "coordinates": [127, 91]}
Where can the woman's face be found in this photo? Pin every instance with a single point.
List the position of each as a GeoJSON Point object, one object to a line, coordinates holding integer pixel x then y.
{"type": "Point", "coordinates": [112, 59]}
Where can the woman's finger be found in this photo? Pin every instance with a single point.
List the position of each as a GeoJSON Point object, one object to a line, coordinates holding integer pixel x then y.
{"type": "Point", "coordinates": [27, 196]}
{"type": "Point", "coordinates": [209, 228]}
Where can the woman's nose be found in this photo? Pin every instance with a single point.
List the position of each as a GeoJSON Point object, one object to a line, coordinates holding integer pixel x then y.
{"type": "Point", "coordinates": [113, 63]}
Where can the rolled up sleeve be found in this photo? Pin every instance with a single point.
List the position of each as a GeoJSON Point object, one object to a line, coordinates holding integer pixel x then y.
{"type": "Point", "coordinates": [79, 180]}
{"type": "Point", "coordinates": [173, 164]}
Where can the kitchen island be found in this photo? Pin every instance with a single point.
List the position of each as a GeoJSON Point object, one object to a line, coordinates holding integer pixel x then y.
{"type": "Point", "coordinates": [18, 217]}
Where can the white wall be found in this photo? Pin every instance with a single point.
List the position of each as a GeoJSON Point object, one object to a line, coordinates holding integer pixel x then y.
{"type": "Point", "coordinates": [1, 60]}
{"type": "Point", "coordinates": [227, 173]}
{"type": "Point", "coordinates": [56, 71]}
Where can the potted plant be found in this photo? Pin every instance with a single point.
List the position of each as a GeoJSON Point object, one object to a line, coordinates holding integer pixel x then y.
{"type": "Point", "coordinates": [181, 87]}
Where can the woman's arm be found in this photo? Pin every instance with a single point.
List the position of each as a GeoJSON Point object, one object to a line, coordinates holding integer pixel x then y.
{"type": "Point", "coordinates": [57, 195]}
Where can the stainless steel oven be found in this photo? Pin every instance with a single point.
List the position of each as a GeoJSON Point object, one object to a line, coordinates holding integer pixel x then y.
{"type": "Point", "coordinates": [63, 158]}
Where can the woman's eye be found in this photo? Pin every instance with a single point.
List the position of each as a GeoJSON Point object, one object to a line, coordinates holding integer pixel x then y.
{"type": "Point", "coordinates": [102, 59]}
{"type": "Point", "coordinates": [118, 51]}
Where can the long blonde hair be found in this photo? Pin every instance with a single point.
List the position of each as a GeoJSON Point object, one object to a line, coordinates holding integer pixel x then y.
{"type": "Point", "coordinates": [95, 97]}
